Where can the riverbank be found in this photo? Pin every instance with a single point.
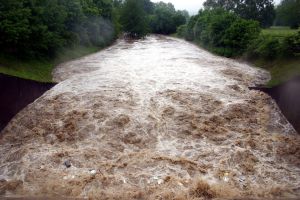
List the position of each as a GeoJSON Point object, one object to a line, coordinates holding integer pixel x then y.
{"type": "Point", "coordinates": [281, 69]}
{"type": "Point", "coordinates": [41, 69]}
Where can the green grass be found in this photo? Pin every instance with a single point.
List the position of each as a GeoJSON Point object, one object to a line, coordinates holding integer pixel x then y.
{"type": "Point", "coordinates": [279, 31]}
{"type": "Point", "coordinates": [280, 69]}
{"type": "Point", "coordinates": [40, 70]}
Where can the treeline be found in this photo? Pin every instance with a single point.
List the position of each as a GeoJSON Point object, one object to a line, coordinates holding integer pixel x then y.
{"type": "Point", "coordinates": [42, 28]}
{"type": "Point", "coordinates": [223, 28]}
{"type": "Point", "coordinates": [149, 17]}
{"type": "Point", "coordinates": [34, 28]}
{"type": "Point", "coordinates": [288, 14]}
{"type": "Point", "coordinates": [221, 31]}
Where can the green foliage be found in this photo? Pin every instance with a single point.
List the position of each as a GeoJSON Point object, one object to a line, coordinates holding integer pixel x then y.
{"type": "Point", "coordinates": [166, 19]}
{"type": "Point", "coordinates": [288, 13]}
{"type": "Point", "coordinates": [190, 34]}
{"type": "Point", "coordinates": [258, 10]}
{"type": "Point", "coordinates": [292, 44]}
{"type": "Point", "coordinates": [280, 31]}
{"type": "Point", "coordinates": [265, 46]}
{"type": "Point", "coordinates": [223, 32]}
{"type": "Point", "coordinates": [40, 28]}
{"type": "Point", "coordinates": [240, 34]}
{"type": "Point", "coordinates": [273, 47]}
{"type": "Point", "coordinates": [134, 19]}
{"type": "Point", "coordinates": [182, 31]}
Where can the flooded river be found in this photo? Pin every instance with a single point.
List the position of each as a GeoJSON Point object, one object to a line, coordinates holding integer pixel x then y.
{"type": "Point", "coordinates": [153, 119]}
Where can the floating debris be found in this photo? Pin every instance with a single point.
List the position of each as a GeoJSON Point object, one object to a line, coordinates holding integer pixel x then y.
{"type": "Point", "coordinates": [68, 164]}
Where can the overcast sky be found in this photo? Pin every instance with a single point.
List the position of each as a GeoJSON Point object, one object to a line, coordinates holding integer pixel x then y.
{"type": "Point", "coordinates": [190, 5]}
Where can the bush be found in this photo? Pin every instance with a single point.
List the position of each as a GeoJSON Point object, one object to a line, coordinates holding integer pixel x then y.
{"type": "Point", "coordinates": [211, 26]}
{"type": "Point", "coordinates": [240, 35]}
{"type": "Point", "coordinates": [166, 19]}
{"type": "Point", "coordinates": [134, 19]}
{"type": "Point", "coordinates": [272, 47]}
{"type": "Point", "coordinates": [291, 45]}
{"type": "Point", "coordinates": [182, 31]}
{"type": "Point", "coordinates": [41, 28]}
{"type": "Point", "coordinates": [190, 36]}
{"type": "Point", "coordinates": [223, 32]}
{"type": "Point", "coordinates": [265, 46]}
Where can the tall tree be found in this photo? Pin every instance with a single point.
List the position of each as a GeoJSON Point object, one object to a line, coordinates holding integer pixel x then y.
{"type": "Point", "coordinates": [35, 28]}
{"type": "Point", "coordinates": [134, 19]}
{"type": "Point", "coordinates": [288, 13]}
{"type": "Point", "coordinates": [166, 19]}
{"type": "Point", "coordinates": [262, 11]}
{"type": "Point", "coordinates": [14, 25]}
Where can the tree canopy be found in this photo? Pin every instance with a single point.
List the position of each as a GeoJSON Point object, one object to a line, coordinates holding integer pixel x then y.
{"type": "Point", "coordinates": [134, 18]}
{"type": "Point", "coordinates": [221, 31]}
{"type": "Point", "coordinates": [288, 13]}
{"type": "Point", "coordinates": [40, 28]}
{"type": "Point", "coordinates": [262, 11]}
{"type": "Point", "coordinates": [33, 28]}
{"type": "Point", "coordinates": [166, 19]}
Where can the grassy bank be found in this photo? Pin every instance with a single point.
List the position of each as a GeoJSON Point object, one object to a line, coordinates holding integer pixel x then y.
{"type": "Point", "coordinates": [281, 68]}
{"type": "Point", "coordinates": [40, 70]}
{"type": "Point", "coordinates": [279, 31]}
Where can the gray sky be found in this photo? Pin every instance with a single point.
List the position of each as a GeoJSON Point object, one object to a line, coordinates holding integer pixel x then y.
{"type": "Point", "coordinates": [190, 5]}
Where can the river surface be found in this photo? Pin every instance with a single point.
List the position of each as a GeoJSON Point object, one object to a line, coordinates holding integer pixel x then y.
{"type": "Point", "coordinates": [153, 119]}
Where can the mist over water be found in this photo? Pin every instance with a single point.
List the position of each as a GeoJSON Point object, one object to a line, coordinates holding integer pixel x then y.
{"type": "Point", "coordinates": [152, 118]}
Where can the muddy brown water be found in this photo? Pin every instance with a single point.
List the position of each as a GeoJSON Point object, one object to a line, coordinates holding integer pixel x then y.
{"type": "Point", "coordinates": [153, 119]}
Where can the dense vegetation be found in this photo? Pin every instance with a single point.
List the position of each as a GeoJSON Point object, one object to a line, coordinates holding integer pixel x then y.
{"type": "Point", "coordinates": [37, 34]}
{"type": "Point", "coordinates": [34, 28]}
{"type": "Point", "coordinates": [259, 10]}
{"type": "Point", "coordinates": [288, 13]}
{"type": "Point", "coordinates": [222, 32]}
{"type": "Point", "coordinates": [165, 19]}
{"type": "Point", "coordinates": [134, 23]}
{"type": "Point", "coordinates": [224, 28]}
{"type": "Point", "coordinates": [160, 18]}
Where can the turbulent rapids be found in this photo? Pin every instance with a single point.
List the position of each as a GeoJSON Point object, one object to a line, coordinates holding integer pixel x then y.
{"type": "Point", "coordinates": [152, 119]}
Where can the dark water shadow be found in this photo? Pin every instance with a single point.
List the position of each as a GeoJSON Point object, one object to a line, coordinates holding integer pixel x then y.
{"type": "Point", "coordinates": [16, 94]}
{"type": "Point", "coordinates": [287, 96]}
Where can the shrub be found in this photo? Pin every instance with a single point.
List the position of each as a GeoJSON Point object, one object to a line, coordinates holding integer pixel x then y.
{"type": "Point", "coordinates": [190, 35]}
{"type": "Point", "coordinates": [240, 35]}
{"type": "Point", "coordinates": [182, 31]}
{"type": "Point", "coordinates": [291, 45]}
{"type": "Point", "coordinates": [223, 32]}
{"type": "Point", "coordinates": [265, 46]}
{"type": "Point", "coordinates": [271, 47]}
{"type": "Point", "coordinates": [211, 26]}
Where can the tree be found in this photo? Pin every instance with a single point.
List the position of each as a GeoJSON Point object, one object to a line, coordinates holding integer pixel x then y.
{"type": "Point", "coordinates": [166, 19]}
{"type": "Point", "coordinates": [221, 31]}
{"type": "Point", "coordinates": [14, 25]}
{"type": "Point", "coordinates": [148, 6]}
{"type": "Point", "coordinates": [288, 13]}
{"type": "Point", "coordinates": [260, 10]}
{"type": "Point", "coordinates": [134, 19]}
{"type": "Point", "coordinates": [40, 28]}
